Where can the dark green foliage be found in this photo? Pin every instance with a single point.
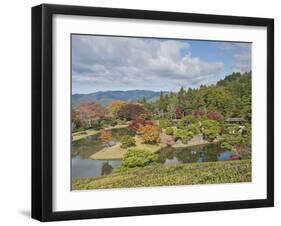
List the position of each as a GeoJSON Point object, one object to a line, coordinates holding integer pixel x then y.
{"type": "Point", "coordinates": [163, 102]}
{"type": "Point", "coordinates": [127, 141]}
{"type": "Point", "coordinates": [239, 85]}
{"type": "Point", "coordinates": [247, 134]}
{"type": "Point", "coordinates": [237, 136]}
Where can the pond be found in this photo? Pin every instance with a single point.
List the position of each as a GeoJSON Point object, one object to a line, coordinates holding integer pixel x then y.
{"type": "Point", "coordinates": [203, 153]}
{"type": "Point", "coordinates": [83, 168]}
{"type": "Point", "coordinates": [90, 145]}
{"type": "Point", "coordinates": [81, 164]}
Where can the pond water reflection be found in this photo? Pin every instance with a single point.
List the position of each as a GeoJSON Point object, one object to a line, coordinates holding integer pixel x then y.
{"type": "Point", "coordinates": [203, 153]}
{"type": "Point", "coordinates": [83, 168]}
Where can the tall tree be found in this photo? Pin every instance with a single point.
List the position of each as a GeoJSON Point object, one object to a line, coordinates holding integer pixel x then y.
{"type": "Point", "coordinates": [90, 112]}
{"type": "Point", "coordinates": [182, 100]}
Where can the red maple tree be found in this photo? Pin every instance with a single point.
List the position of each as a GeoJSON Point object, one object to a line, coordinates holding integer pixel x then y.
{"type": "Point", "coordinates": [89, 112]}
{"type": "Point", "coordinates": [214, 115]}
{"type": "Point", "coordinates": [138, 123]}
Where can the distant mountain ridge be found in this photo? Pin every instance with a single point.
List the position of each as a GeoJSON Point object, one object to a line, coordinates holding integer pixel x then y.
{"type": "Point", "coordinates": [105, 97]}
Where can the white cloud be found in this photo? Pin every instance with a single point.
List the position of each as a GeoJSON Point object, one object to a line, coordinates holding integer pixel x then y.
{"type": "Point", "coordinates": [104, 62]}
{"type": "Point", "coordinates": [242, 55]}
{"type": "Point", "coordinates": [243, 60]}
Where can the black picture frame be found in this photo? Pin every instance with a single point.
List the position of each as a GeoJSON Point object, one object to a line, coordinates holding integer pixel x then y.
{"type": "Point", "coordinates": [42, 111]}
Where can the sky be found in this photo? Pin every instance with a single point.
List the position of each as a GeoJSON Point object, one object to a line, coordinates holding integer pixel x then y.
{"type": "Point", "coordinates": [101, 63]}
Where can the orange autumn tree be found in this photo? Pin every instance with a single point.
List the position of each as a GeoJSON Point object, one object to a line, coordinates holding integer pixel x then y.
{"type": "Point", "coordinates": [138, 123]}
{"type": "Point", "coordinates": [150, 134]}
{"type": "Point", "coordinates": [105, 136]}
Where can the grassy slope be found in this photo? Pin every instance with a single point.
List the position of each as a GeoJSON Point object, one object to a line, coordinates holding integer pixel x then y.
{"type": "Point", "coordinates": [186, 174]}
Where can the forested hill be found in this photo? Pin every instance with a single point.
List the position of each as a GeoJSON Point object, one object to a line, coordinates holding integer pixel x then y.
{"type": "Point", "coordinates": [105, 97]}
{"type": "Point", "coordinates": [230, 97]}
{"type": "Point", "coordinates": [238, 84]}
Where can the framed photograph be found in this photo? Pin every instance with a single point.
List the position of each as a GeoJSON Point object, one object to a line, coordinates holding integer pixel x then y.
{"type": "Point", "coordinates": [145, 112]}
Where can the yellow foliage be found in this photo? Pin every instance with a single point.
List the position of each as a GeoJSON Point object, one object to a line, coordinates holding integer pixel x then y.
{"type": "Point", "coordinates": [115, 106]}
{"type": "Point", "coordinates": [150, 134]}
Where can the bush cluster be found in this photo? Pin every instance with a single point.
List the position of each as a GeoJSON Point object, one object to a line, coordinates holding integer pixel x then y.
{"type": "Point", "coordinates": [210, 129]}
{"type": "Point", "coordinates": [184, 135]}
{"type": "Point", "coordinates": [127, 141]}
{"type": "Point", "coordinates": [186, 121]}
{"type": "Point", "coordinates": [164, 123]}
{"type": "Point", "coordinates": [136, 157]}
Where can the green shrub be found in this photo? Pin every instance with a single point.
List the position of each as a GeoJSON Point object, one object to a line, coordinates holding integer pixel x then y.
{"type": "Point", "coordinates": [211, 129]}
{"type": "Point", "coordinates": [170, 131]}
{"type": "Point", "coordinates": [164, 123]}
{"type": "Point", "coordinates": [127, 141]}
{"type": "Point", "coordinates": [136, 157]}
{"type": "Point", "coordinates": [183, 135]}
{"type": "Point", "coordinates": [235, 140]}
{"type": "Point", "coordinates": [186, 121]}
{"type": "Point", "coordinates": [194, 128]}
{"type": "Point", "coordinates": [210, 134]}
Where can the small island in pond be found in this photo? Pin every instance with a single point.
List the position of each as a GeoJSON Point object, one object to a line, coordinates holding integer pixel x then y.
{"type": "Point", "coordinates": [181, 123]}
